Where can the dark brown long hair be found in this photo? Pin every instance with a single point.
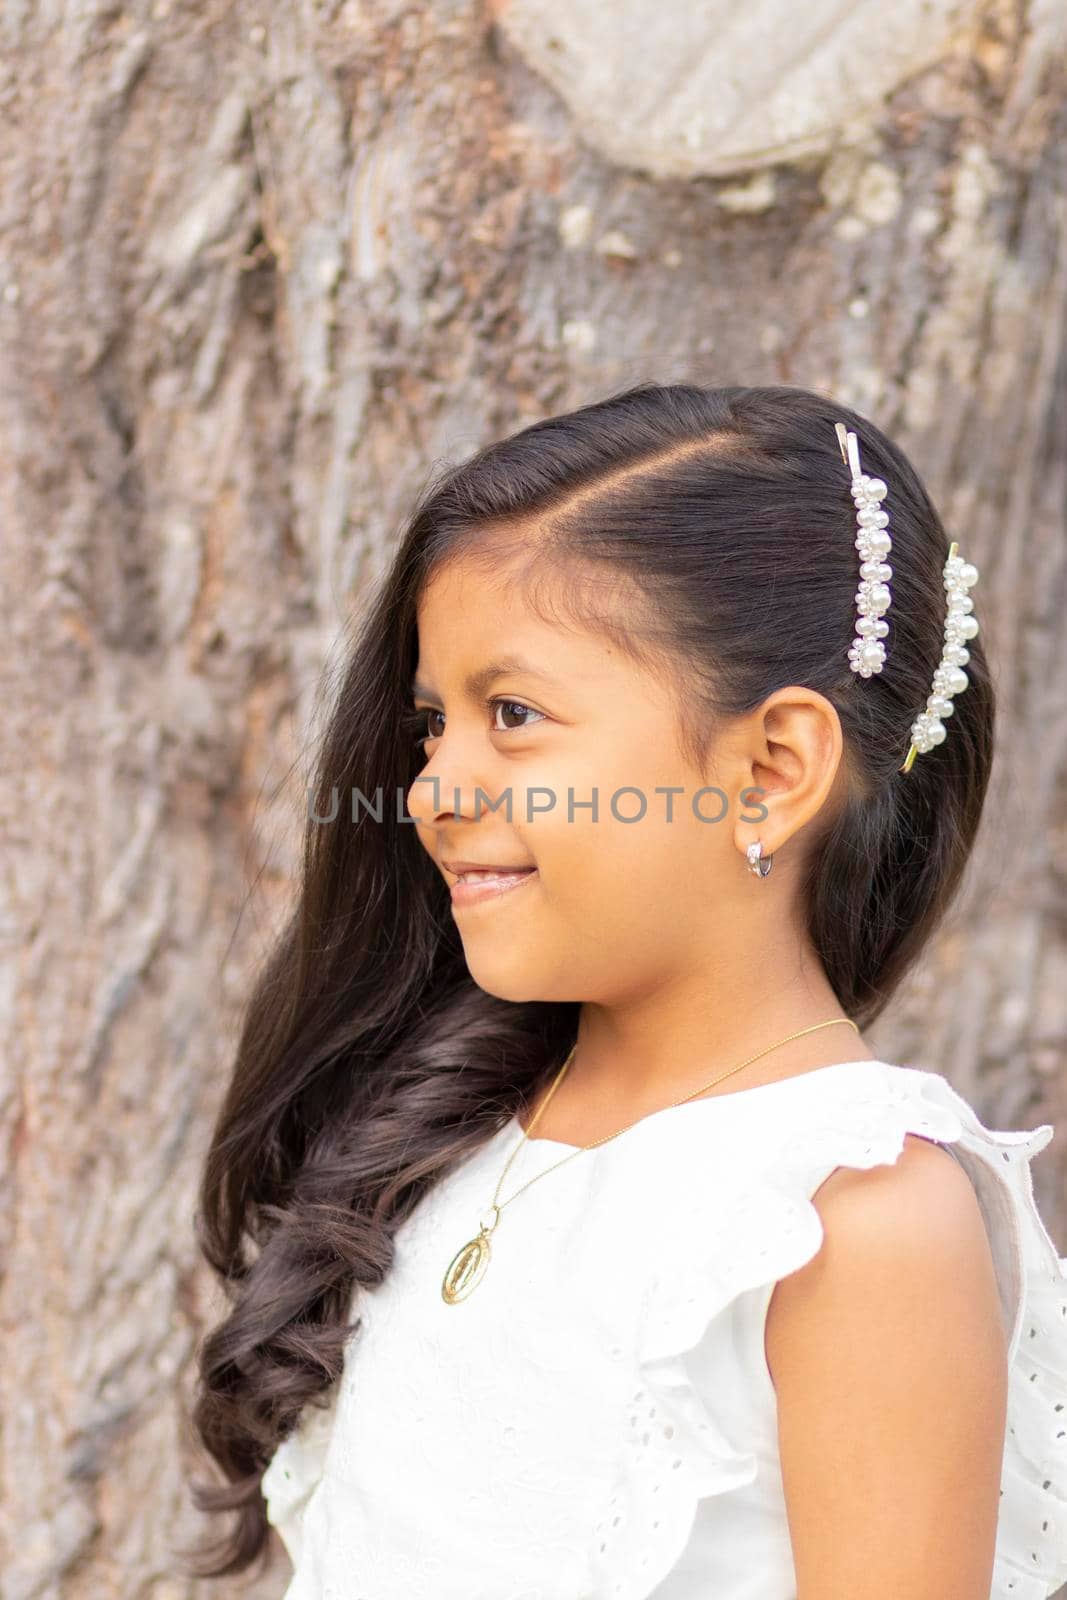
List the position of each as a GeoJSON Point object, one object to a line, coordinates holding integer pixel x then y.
{"type": "Point", "coordinates": [369, 1062]}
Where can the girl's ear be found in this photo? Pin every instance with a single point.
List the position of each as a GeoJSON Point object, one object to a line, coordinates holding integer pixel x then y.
{"type": "Point", "coordinates": [790, 748]}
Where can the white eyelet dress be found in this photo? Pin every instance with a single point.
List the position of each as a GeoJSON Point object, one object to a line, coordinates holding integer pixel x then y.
{"type": "Point", "coordinates": [597, 1420]}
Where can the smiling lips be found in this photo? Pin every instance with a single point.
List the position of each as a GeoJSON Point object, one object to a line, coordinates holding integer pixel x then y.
{"type": "Point", "coordinates": [473, 884]}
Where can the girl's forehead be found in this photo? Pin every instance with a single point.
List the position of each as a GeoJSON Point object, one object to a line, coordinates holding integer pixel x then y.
{"type": "Point", "coordinates": [508, 583]}
{"type": "Point", "coordinates": [471, 610]}
{"type": "Point", "coordinates": [506, 571]}
{"type": "Point", "coordinates": [465, 583]}
{"type": "Point", "coordinates": [570, 619]}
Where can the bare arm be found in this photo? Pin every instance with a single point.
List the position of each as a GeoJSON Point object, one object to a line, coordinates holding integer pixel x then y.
{"type": "Point", "coordinates": [888, 1356]}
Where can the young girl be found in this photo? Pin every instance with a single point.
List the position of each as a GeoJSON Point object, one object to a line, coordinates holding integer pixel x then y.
{"type": "Point", "coordinates": [596, 1256]}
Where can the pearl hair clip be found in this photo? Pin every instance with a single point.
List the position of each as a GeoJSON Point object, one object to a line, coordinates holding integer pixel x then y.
{"type": "Point", "coordinates": [867, 652]}
{"type": "Point", "coordinates": [928, 729]}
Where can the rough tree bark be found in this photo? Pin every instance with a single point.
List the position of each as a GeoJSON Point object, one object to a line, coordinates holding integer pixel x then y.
{"type": "Point", "coordinates": [259, 267]}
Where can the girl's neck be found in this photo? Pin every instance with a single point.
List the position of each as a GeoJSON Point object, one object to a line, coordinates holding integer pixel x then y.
{"type": "Point", "coordinates": [625, 1068]}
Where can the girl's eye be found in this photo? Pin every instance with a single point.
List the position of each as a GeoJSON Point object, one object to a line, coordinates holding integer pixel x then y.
{"type": "Point", "coordinates": [513, 706]}
{"type": "Point", "coordinates": [421, 720]}
{"type": "Point", "coordinates": [417, 720]}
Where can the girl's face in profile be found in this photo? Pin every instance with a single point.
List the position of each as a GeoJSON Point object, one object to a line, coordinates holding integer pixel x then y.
{"type": "Point", "coordinates": [540, 721]}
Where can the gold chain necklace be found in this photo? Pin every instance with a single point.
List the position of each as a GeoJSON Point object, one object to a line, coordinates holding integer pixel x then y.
{"type": "Point", "coordinates": [468, 1265]}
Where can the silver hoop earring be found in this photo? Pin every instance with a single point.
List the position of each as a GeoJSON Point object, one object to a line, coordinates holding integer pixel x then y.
{"type": "Point", "coordinates": [757, 861]}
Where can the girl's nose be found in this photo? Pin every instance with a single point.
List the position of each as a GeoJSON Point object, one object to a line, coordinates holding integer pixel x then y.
{"type": "Point", "coordinates": [453, 783]}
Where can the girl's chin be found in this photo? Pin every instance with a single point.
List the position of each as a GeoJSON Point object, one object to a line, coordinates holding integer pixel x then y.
{"type": "Point", "coordinates": [510, 974]}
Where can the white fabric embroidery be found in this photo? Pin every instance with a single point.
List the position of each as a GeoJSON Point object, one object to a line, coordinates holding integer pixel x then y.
{"type": "Point", "coordinates": [597, 1421]}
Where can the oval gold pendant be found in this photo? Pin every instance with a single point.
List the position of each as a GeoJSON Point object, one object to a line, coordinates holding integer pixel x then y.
{"type": "Point", "coordinates": [466, 1269]}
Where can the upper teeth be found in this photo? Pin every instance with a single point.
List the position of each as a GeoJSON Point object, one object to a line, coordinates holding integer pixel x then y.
{"type": "Point", "coordinates": [490, 872]}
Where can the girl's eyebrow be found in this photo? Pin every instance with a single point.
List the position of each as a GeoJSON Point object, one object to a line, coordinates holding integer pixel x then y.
{"type": "Point", "coordinates": [476, 683]}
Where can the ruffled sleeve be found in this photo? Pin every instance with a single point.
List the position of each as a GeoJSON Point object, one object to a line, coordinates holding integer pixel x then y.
{"type": "Point", "coordinates": [1031, 1552]}
{"type": "Point", "coordinates": [295, 1470]}
{"type": "Point", "coordinates": [684, 1448]}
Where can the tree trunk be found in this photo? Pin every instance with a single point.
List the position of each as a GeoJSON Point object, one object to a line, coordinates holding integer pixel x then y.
{"type": "Point", "coordinates": [261, 267]}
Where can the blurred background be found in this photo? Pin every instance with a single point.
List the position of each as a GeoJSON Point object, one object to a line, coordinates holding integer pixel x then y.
{"type": "Point", "coordinates": [260, 268]}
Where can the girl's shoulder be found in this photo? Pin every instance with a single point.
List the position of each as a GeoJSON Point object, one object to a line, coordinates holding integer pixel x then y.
{"type": "Point", "coordinates": [710, 1304]}
{"type": "Point", "coordinates": [750, 1216]}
